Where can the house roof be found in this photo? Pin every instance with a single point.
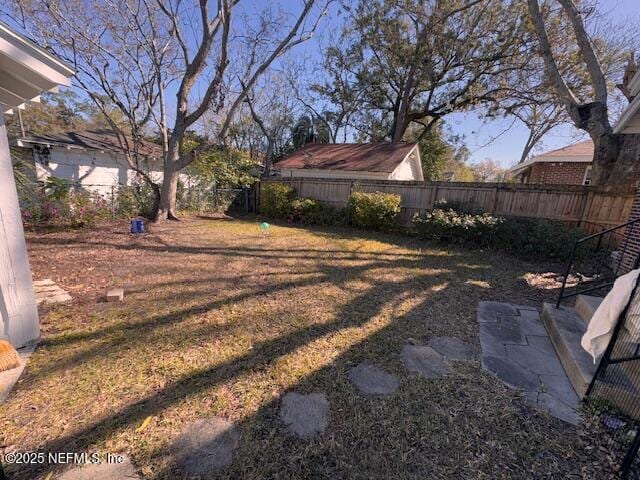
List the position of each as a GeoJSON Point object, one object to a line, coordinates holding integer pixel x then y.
{"type": "Point", "coordinates": [576, 152]}
{"type": "Point", "coordinates": [354, 157]}
{"type": "Point", "coordinates": [88, 140]}
{"type": "Point", "coordinates": [26, 70]}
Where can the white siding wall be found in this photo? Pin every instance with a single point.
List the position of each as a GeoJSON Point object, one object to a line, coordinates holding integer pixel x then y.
{"type": "Point", "coordinates": [97, 171]}
{"type": "Point", "coordinates": [409, 169]}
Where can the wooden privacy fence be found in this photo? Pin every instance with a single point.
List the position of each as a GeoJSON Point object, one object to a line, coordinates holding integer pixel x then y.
{"type": "Point", "coordinates": [591, 208]}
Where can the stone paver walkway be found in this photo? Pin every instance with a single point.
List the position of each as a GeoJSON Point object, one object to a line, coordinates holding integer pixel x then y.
{"type": "Point", "coordinates": [373, 380]}
{"type": "Point", "coordinates": [305, 415]}
{"type": "Point", "coordinates": [46, 291]}
{"type": "Point", "coordinates": [454, 349]}
{"type": "Point", "coordinates": [205, 446]}
{"type": "Point", "coordinates": [425, 361]}
{"type": "Point", "coordinates": [517, 348]}
{"type": "Point", "coordinates": [102, 471]}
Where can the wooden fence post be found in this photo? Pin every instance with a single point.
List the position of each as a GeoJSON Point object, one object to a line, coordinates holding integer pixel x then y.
{"type": "Point", "coordinates": [494, 205]}
{"type": "Point", "coordinates": [435, 196]}
{"type": "Point", "coordinates": [585, 205]}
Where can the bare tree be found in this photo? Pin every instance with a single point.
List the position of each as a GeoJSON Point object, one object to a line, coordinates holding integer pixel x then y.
{"type": "Point", "coordinates": [119, 51]}
{"type": "Point", "coordinates": [214, 61]}
{"type": "Point", "coordinates": [217, 30]}
{"type": "Point", "coordinates": [540, 119]}
{"type": "Point", "coordinates": [272, 107]}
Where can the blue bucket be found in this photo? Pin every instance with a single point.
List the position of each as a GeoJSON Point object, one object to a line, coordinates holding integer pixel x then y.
{"type": "Point", "coordinates": [137, 226]}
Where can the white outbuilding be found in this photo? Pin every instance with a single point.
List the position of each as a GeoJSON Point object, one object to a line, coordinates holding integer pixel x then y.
{"type": "Point", "coordinates": [357, 161]}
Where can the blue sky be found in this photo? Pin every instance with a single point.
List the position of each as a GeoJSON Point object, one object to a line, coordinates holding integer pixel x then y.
{"type": "Point", "coordinates": [506, 149]}
{"type": "Point", "coordinates": [501, 140]}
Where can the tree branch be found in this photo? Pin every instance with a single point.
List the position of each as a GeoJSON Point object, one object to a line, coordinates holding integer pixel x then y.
{"type": "Point", "coordinates": [587, 52]}
{"type": "Point", "coordinates": [551, 68]}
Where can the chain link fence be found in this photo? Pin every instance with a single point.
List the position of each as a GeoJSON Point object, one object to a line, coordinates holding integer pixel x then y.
{"type": "Point", "coordinates": [42, 201]}
{"type": "Point", "coordinates": [207, 200]}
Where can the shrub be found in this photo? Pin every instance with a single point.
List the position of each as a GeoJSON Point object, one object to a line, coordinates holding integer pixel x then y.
{"type": "Point", "coordinates": [536, 237]}
{"type": "Point", "coordinates": [276, 200]}
{"type": "Point", "coordinates": [62, 205]}
{"type": "Point", "coordinates": [135, 200]}
{"type": "Point", "coordinates": [374, 210]}
{"type": "Point", "coordinates": [455, 227]}
{"type": "Point", "coordinates": [311, 212]}
{"type": "Point", "coordinates": [86, 208]}
{"type": "Point", "coordinates": [527, 237]}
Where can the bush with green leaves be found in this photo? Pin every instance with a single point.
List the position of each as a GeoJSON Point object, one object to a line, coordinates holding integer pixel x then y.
{"type": "Point", "coordinates": [308, 211]}
{"type": "Point", "coordinates": [135, 200]}
{"type": "Point", "coordinates": [452, 226]}
{"type": "Point", "coordinates": [526, 237]}
{"type": "Point", "coordinates": [376, 210]}
{"type": "Point", "coordinates": [275, 200]}
{"type": "Point", "coordinates": [536, 237]}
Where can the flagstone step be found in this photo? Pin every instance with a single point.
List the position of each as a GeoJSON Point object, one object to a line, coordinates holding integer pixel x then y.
{"type": "Point", "coordinates": [586, 306]}
{"type": "Point", "coordinates": [46, 291]}
{"type": "Point", "coordinates": [565, 328]}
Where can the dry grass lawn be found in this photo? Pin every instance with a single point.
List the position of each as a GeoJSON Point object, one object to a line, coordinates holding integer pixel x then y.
{"type": "Point", "coordinates": [219, 320]}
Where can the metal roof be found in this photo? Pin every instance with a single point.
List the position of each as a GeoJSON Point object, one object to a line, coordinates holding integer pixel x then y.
{"type": "Point", "coordinates": [354, 157]}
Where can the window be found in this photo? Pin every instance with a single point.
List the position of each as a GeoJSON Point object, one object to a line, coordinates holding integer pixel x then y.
{"type": "Point", "coordinates": [587, 176]}
{"type": "Point", "coordinates": [42, 155]}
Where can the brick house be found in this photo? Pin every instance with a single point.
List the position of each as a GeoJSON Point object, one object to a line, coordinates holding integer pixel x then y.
{"type": "Point", "coordinates": [570, 165]}
{"type": "Point", "coordinates": [629, 127]}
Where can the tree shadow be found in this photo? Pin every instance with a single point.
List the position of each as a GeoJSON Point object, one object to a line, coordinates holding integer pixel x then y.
{"type": "Point", "coordinates": [261, 356]}
{"type": "Point", "coordinates": [267, 450]}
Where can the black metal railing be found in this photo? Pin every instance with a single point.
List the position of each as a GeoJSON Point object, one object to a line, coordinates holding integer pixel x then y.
{"type": "Point", "coordinates": [597, 260]}
{"type": "Point", "coordinates": [615, 388]}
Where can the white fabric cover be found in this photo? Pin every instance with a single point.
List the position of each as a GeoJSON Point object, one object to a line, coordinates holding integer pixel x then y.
{"type": "Point", "coordinates": [600, 329]}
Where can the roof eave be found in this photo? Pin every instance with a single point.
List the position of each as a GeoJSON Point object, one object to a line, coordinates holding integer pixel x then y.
{"type": "Point", "coordinates": [26, 71]}
{"type": "Point", "coordinates": [634, 84]}
{"type": "Point", "coordinates": [628, 114]}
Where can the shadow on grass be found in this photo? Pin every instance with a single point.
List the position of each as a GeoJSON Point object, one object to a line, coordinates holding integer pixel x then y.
{"type": "Point", "coordinates": [422, 431]}
{"type": "Point", "coordinates": [262, 355]}
{"type": "Point", "coordinates": [325, 272]}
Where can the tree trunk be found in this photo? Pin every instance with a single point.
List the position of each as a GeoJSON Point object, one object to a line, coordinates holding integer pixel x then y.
{"type": "Point", "coordinates": [268, 159]}
{"type": "Point", "coordinates": [627, 167]}
{"type": "Point", "coordinates": [593, 118]}
{"type": "Point", "coordinates": [167, 204]}
{"type": "Point", "coordinates": [605, 155]}
{"type": "Point", "coordinates": [528, 146]}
